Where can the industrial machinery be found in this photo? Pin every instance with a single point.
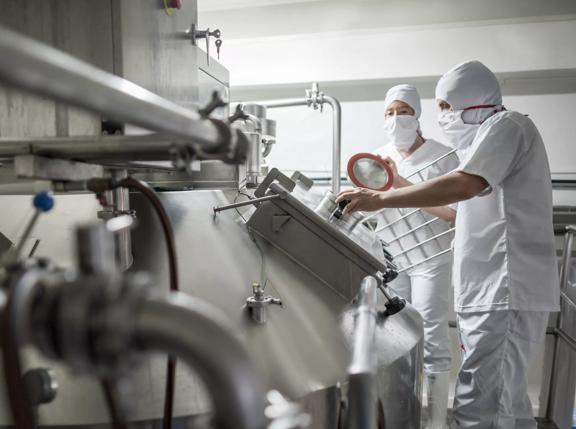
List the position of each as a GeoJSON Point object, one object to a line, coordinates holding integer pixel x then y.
{"type": "Point", "coordinates": [271, 305]}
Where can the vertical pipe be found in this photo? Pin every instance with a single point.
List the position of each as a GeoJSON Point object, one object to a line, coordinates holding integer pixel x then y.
{"type": "Point", "coordinates": [336, 141]}
{"type": "Point", "coordinates": [362, 389]}
{"type": "Point", "coordinates": [121, 198]}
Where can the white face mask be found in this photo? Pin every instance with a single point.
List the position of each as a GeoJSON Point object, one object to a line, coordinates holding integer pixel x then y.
{"type": "Point", "coordinates": [459, 134]}
{"type": "Point", "coordinates": [402, 130]}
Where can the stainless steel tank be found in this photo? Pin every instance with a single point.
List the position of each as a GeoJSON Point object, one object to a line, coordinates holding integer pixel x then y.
{"type": "Point", "coordinates": [300, 349]}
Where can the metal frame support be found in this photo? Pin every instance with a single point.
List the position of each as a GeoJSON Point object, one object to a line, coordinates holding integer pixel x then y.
{"type": "Point", "coordinates": [559, 394]}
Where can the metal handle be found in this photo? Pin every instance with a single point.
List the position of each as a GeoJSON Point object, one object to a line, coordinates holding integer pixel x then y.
{"type": "Point", "coordinates": [254, 201]}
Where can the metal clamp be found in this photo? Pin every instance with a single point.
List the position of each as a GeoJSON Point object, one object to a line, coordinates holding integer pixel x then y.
{"type": "Point", "coordinates": [315, 97]}
{"type": "Point", "coordinates": [258, 303]}
{"type": "Point", "coordinates": [274, 175]}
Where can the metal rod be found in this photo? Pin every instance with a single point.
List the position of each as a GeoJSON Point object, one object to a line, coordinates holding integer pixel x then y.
{"type": "Point", "coordinates": [210, 347]}
{"type": "Point", "coordinates": [425, 241]}
{"type": "Point", "coordinates": [373, 215]}
{"type": "Point", "coordinates": [567, 256]}
{"type": "Point", "coordinates": [26, 234]}
{"type": "Point", "coordinates": [38, 68]}
{"type": "Point", "coordinates": [362, 395]}
{"type": "Point", "coordinates": [289, 102]}
{"type": "Point", "coordinates": [431, 163]}
{"type": "Point", "coordinates": [245, 203]}
{"type": "Point", "coordinates": [424, 260]}
{"type": "Point", "coordinates": [571, 342]}
{"type": "Point", "coordinates": [416, 228]}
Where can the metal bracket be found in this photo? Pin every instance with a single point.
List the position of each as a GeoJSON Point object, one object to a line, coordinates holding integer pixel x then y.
{"type": "Point", "coordinates": [299, 177]}
{"type": "Point", "coordinates": [274, 175]}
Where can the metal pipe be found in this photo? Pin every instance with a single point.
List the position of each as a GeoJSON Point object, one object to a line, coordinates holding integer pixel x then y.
{"type": "Point", "coordinates": [336, 127]}
{"type": "Point", "coordinates": [435, 237]}
{"type": "Point", "coordinates": [121, 204]}
{"type": "Point", "coordinates": [336, 140]}
{"type": "Point", "coordinates": [112, 148]}
{"type": "Point", "coordinates": [209, 346]}
{"type": "Point", "coordinates": [289, 102]}
{"type": "Point", "coordinates": [38, 68]}
{"type": "Point", "coordinates": [362, 393]}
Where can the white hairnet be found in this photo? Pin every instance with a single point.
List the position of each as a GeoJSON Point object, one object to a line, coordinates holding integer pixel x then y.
{"type": "Point", "coordinates": [406, 93]}
{"type": "Point", "coordinates": [469, 84]}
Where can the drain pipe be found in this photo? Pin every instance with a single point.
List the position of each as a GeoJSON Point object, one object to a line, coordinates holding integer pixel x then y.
{"type": "Point", "coordinates": [316, 99]}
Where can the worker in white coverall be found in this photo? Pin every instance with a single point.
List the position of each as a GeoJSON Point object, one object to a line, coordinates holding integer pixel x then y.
{"type": "Point", "coordinates": [426, 285]}
{"type": "Point", "coordinates": [505, 271]}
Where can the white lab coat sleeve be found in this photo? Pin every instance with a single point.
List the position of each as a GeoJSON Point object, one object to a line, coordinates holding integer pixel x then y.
{"type": "Point", "coordinates": [496, 150]}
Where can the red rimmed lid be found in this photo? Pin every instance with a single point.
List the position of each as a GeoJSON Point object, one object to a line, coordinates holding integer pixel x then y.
{"type": "Point", "coordinates": [381, 163]}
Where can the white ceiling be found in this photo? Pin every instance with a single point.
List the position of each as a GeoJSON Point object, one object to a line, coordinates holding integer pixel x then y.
{"type": "Point", "coordinates": [223, 5]}
{"type": "Point", "coordinates": [241, 19]}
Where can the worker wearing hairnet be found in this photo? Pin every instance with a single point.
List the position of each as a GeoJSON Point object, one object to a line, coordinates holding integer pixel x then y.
{"type": "Point", "coordinates": [427, 284]}
{"type": "Point", "coordinates": [505, 272]}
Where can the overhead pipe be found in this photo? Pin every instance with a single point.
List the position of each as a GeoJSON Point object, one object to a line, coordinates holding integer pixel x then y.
{"type": "Point", "coordinates": [41, 69]}
{"type": "Point", "coordinates": [315, 98]}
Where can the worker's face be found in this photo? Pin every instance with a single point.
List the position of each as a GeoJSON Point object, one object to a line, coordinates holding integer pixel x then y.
{"type": "Point", "coordinates": [443, 106]}
{"type": "Point", "coordinates": [398, 108]}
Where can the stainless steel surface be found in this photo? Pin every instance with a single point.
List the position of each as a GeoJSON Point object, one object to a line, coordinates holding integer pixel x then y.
{"type": "Point", "coordinates": [337, 257]}
{"type": "Point", "coordinates": [38, 68]}
{"type": "Point", "coordinates": [299, 350]}
{"type": "Point", "coordinates": [258, 110]}
{"type": "Point", "coordinates": [361, 412]}
{"type": "Point", "coordinates": [232, 379]}
{"type": "Point", "coordinates": [82, 28]}
{"type": "Point", "coordinates": [399, 374]}
{"type": "Point", "coordinates": [42, 168]}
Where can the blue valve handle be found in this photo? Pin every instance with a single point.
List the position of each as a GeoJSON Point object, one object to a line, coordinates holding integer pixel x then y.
{"type": "Point", "coordinates": [43, 201]}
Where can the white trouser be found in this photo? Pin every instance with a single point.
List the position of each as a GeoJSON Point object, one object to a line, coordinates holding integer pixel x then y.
{"type": "Point", "coordinates": [491, 390]}
{"type": "Point", "coordinates": [428, 290]}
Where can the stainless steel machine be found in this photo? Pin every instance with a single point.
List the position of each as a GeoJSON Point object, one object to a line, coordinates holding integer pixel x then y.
{"type": "Point", "coordinates": [282, 318]}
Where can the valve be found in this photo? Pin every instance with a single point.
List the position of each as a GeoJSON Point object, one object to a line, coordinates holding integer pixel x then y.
{"type": "Point", "coordinates": [257, 304]}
